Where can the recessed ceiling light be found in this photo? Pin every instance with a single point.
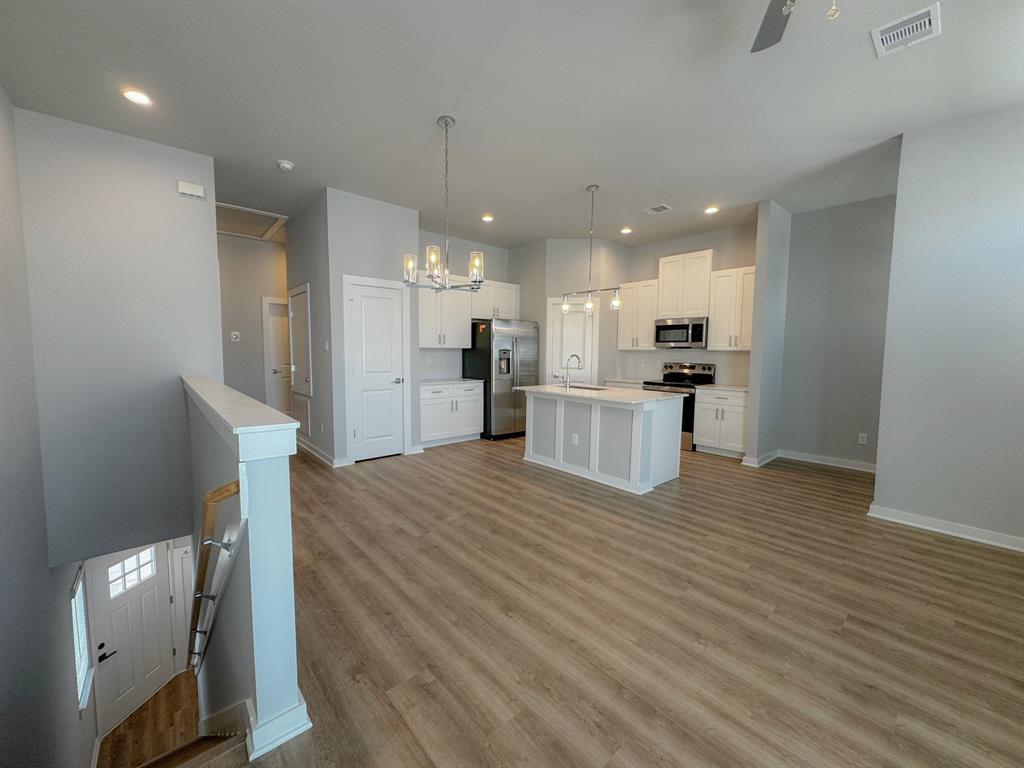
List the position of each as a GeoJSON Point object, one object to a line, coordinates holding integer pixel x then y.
{"type": "Point", "coordinates": [488, 217]}
{"type": "Point", "coordinates": [137, 97]}
{"type": "Point", "coordinates": [626, 230]}
{"type": "Point", "coordinates": [711, 209]}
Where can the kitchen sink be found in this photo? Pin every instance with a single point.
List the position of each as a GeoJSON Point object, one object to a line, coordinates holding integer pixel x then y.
{"type": "Point", "coordinates": [586, 386]}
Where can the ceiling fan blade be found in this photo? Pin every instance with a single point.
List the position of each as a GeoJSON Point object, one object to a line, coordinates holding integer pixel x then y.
{"type": "Point", "coordinates": [772, 26]}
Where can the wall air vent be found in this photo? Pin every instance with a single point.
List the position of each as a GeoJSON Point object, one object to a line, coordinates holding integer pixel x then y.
{"type": "Point", "coordinates": [247, 222]}
{"type": "Point", "coordinates": [906, 31]}
{"type": "Point", "coordinates": [654, 210]}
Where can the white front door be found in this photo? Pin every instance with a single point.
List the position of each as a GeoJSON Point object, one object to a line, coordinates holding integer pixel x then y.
{"type": "Point", "coordinates": [375, 381]}
{"type": "Point", "coordinates": [129, 600]}
{"type": "Point", "coordinates": [277, 359]}
{"type": "Point", "coordinates": [569, 333]}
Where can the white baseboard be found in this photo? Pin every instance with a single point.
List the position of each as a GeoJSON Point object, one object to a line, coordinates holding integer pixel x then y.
{"type": "Point", "coordinates": [449, 441]}
{"type": "Point", "coordinates": [304, 445]}
{"type": "Point", "coordinates": [832, 461]}
{"type": "Point", "coordinates": [760, 461]}
{"type": "Point", "coordinates": [718, 451]}
{"type": "Point", "coordinates": [284, 726]}
{"type": "Point", "coordinates": [414, 450]}
{"type": "Point", "coordinates": [961, 531]}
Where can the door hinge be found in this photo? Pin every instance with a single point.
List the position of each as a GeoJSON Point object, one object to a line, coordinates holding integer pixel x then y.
{"type": "Point", "coordinates": [172, 599]}
{"type": "Point", "coordinates": [174, 651]}
{"type": "Point", "coordinates": [353, 433]}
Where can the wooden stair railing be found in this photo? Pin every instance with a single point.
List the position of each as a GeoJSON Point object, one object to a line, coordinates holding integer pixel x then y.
{"type": "Point", "coordinates": [211, 504]}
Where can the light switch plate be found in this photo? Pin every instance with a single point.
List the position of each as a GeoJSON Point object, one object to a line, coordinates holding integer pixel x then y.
{"type": "Point", "coordinates": [188, 189]}
{"type": "Point", "coordinates": [862, 438]}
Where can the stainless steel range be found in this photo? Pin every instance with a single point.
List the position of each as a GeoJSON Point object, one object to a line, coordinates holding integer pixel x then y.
{"type": "Point", "coordinates": [684, 377]}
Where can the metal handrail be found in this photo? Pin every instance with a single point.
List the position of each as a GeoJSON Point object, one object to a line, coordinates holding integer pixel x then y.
{"type": "Point", "coordinates": [211, 503]}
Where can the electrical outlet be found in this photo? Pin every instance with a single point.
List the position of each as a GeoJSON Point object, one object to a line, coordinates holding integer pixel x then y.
{"type": "Point", "coordinates": [575, 438]}
{"type": "Point", "coordinates": [321, 427]}
{"type": "Point", "coordinates": [327, 345]}
{"type": "Point", "coordinates": [862, 438]}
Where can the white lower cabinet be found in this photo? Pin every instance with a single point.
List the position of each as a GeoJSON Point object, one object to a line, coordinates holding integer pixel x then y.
{"type": "Point", "coordinates": [449, 411]}
{"type": "Point", "coordinates": [719, 418]}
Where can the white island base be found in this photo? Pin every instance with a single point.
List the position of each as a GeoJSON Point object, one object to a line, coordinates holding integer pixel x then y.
{"type": "Point", "coordinates": [625, 438]}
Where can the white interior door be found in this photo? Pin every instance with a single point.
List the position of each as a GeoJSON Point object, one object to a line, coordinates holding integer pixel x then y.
{"type": "Point", "coordinates": [572, 332]}
{"type": "Point", "coordinates": [375, 381]}
{"type": "Point", "coordinates": [301, 349]}
{"type": "Point", "coordinates": [277, 359]}
{"type": "Point", "coordinates": [182, 582]}
{"type": "Point", "coordinates": [129, 601]}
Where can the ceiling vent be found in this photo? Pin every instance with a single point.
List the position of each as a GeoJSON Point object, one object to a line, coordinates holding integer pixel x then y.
{"type": "Point", "coordinates": [654, 210]}
{"type": "Point", "coordinates": [906, 31]}
{"type": "Point", "coordinates": [246, 222]}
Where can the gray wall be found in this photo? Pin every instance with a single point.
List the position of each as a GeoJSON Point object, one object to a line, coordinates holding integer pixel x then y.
{"type": "Point", "coordinates": [495, 258]}
{"type": "Point", "coordinates": [41, 725]}
{"type": "Point", "coordinates": [249, 270]}
{"type": "Point", "coordinates": [308, 262]}
{"type": "Point", "coordinates": [950, 441]}
{"type": "Point", "coordinates": [835, 328]}
{"type": "Point", "coordinates": [367, 238]}
{"type": "Point", "coordinates": [125, 297]}
{"type": "Point", "coordinates": [763, 422]}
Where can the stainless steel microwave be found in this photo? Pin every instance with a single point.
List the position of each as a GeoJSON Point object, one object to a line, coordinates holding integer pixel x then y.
{"type": "Point", "coordinates": [681, 333]}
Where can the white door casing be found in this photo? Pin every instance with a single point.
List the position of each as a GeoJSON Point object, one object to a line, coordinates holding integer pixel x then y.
{"type": "Point", "coordinates": [377, 355]}
{"type": "Point", "coordinates": [277, 359]}
{"type": "Point", "coordinates": [300, 341]}
{"type": "Point", "coordinates": [130, 633]}
{"type": "Point", "coordinates": [182, 581]}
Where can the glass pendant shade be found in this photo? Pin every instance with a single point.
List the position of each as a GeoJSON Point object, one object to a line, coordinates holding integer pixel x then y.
{"type": "Point", "coordinates": [616, 301]}
{"type": "Point", "coordinates": [433, 261]}
{"type": "Point", "coordinates": [589, 305]}
{"type": "Point", "coordinates": [476, 267]}
{"type": "Point", "coordinates": [410, 267]}
{"type": "Point", "coordinates": [565, 305]}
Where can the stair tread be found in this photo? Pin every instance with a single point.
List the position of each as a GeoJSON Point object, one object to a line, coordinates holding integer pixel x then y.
{"type": "Point", "coordinates": [197, 752]}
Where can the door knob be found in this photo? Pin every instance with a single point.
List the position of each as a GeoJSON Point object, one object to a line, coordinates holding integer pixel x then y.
{"type": "Point", "coordinates": [397, 380]}
{"type": "Point", "coordinates": [274, 370]}
{"type": "Point", "coordinates": [104, 656]}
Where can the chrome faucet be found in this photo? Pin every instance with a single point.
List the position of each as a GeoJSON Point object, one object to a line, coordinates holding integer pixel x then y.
{"type": "Point", "coordinates": [579, 367]}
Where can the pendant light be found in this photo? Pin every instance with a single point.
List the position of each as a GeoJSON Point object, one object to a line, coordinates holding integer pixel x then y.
{"type": "Point", "coordinates": [588, 305]}
{"type": "Point", "coordinates": [436, 265]}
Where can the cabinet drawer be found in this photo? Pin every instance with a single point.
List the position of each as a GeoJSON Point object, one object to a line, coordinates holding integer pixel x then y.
{"type": "Point", "coordinates": [431, 392]}
{"type": "Point", "coordinates": [721, 397]}
{"type": "Point", "coordinates": [472, 388]}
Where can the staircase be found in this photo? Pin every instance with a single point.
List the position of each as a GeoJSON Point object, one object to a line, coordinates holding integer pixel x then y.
{"type": "Point", "coordinates": [164, 733]}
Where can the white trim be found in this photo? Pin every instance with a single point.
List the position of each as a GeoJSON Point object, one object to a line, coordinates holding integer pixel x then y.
{"type": "Point", "coordinates": [832, 461]}
{"type": "Point", "coordinates": [302, 288]}
{"type": "Point", "coordinates": [760, 461]}
{"type": "Point", "coordinates": [959, 530]}
{"type": "Point", "coordinates": [447, 441]}
{"type": "Point", "coordinates": [719, 452]}
{"type": "Point", "coordinates": [95, 752]}
{"type": "Point", "coordinates": [415, 449]}
{"type": "Point", "coordinates": [305, 445]}
{"type": "Point", "coordinates": [347, 281]}
{"type": "Point", "coordinates": [272, 733]}
{"type": "Point", "coordinates": [265, 303]}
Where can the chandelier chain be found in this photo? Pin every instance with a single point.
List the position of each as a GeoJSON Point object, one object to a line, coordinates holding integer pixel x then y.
{"type": "Point", "coordinates": [446, 194]}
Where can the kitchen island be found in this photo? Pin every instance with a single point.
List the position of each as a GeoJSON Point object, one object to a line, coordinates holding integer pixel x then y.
{"type": "Point", "coordinates": [625, 438]}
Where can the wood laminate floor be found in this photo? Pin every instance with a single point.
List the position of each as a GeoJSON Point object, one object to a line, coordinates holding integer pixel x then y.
{"type": "Point", "coordinates": [464, 608]}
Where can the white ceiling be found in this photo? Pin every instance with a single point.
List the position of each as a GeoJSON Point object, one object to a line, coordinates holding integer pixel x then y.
{"type": "Point", "coordinates": [658, 102]}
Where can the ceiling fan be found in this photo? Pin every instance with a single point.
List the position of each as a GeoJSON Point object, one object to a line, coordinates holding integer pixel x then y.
{"type": "Point", "coordinates": [775, 20]}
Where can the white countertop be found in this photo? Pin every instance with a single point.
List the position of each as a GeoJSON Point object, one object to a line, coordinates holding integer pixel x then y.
{"type": "Point", "coordinates": [608, 394]}
{"type": "Point", "coordinates": [725, 387]}
{"type": "Point", "coordinates": [458, 380]}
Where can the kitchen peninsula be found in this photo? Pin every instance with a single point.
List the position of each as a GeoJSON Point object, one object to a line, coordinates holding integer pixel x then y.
{"type": "Point", "coordinates": [625, 438]}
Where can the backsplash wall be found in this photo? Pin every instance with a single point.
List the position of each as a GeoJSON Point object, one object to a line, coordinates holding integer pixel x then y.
{"type": "Point", "coordinates": [731, 367]}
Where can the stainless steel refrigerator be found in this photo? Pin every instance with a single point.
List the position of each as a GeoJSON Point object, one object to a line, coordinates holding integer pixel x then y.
{"type": "Point", "coordinates": [505, 354]}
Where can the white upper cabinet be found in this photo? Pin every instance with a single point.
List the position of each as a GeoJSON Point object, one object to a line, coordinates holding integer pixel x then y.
{"type": "Point", "coordinates": [684, 284]}
{"type": "Point", "coordinates": [445, 317]}
{"type": "Point", "coordinates": [636, 318]}
{"type": "Point", "coordinates": [731, 311]}
{"type": "Point", "coordinates": [496, 300]}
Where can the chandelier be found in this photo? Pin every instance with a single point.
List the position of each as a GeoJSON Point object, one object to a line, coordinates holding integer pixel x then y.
{"type": "Point", "coordinates": [588, 305]}
{"type": "Point", "coordinates": [437, 271]}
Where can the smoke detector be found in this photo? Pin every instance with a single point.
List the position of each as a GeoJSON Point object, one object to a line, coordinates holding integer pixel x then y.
{"type": "Point", "coordinates": [285, 165]}
{"type": "Point", "coordinates": [907, 30]}
{"type": "Point", "coordinates": [654, 210]}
